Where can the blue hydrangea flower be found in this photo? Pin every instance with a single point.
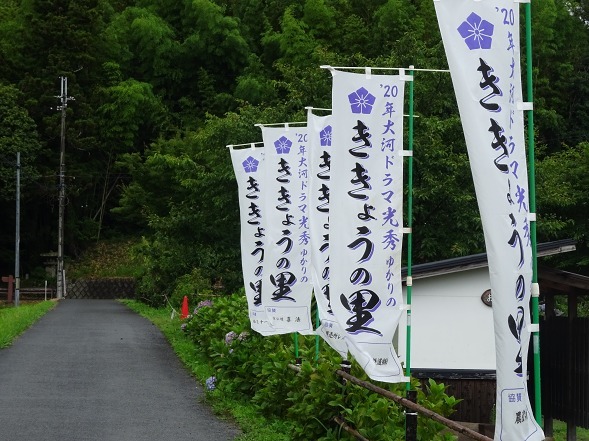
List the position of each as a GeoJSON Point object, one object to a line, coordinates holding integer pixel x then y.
{"type": "Point", "coordinates": [477, 33]}
{"type": "Point", "coordinates": [361, 101]}
{"type": "Point", "coordinates": [250, 165]}
{"type": "Point", "coordinates": [283, 145]}
{"type": "Point", "coordinates": [211, 383]}
{"type": "Point", "coordinates": [203, 304]}
{"type": "Point", "coordinates": [229, 337]}
{"type": "Point", "coordinates": [325, 136]}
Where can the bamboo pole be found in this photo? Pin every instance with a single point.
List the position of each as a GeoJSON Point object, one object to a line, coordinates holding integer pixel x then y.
{"type": "Point", "coordinates": [296, 345]}
{"type": "Point", "coordinates": [410, 234]}
{"type": "Point", "coordinates": [532, 192]}
{"type": "Point", "coordinates": [317, 325]}
{"type": "Point", "coordinates": [348, 429]}
{"type": "Point", "coordinates": [410, 417]}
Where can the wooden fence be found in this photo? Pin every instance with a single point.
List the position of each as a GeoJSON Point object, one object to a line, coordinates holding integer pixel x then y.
{"type": "Point", "coordinates": [564, 348]}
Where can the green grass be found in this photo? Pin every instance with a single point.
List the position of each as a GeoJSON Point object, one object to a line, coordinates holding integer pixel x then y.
{"type": "Point", "coordinates": [560, 432]}
{"type": "Point", "coordinates": [254, 426]}
{"type": "Point", "coordinates": [14, 321]}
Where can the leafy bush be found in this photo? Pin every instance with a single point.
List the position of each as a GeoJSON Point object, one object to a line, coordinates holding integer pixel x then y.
{"type": "Point", "coordinates": [113, 258]}
{"type": "Point", "coordinates": [256, 368]}
{"type": "Point", "coordinates": [194, 285]}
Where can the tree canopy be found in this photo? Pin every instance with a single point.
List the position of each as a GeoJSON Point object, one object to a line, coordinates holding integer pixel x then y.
{"type": "Point", "coordinates": [161, 86]}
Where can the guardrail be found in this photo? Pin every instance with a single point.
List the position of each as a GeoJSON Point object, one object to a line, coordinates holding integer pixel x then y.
{"type": "Point", "coordinates": [29, 294]}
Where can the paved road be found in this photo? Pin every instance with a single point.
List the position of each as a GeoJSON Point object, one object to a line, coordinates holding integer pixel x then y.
{"type": "Point", "coordinates": [94, 370]}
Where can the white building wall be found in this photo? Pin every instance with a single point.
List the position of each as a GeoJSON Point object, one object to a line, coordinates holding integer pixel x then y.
{"type": "Point", "coordinates": [451, 327]}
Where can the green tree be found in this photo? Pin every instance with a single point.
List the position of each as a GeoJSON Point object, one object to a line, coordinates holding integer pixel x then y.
{"type": "Point", "coordinates": [144, 46]}
{"type": "Point", "coordinates": [211, 40]}
{"type": "Point", "coordinates": [186, 190]}
{"type": "Point", "coordinates": [18, 133]}
{"type": "Point", "coordinates": [11, 45]}
{"type": "Point", "coordinates": [561, 77]}
{"type": "Point", "coordinates": [563, 202]}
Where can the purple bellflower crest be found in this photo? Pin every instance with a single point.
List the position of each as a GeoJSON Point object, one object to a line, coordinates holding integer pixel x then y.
{"type": "Point", "coordinates": [477, 33]}
{"type": "Point", "coordinates": [282, 145]}
{"type": "Point", "coordinates": [250, 165]}
{"type": "Point", "coordinates": [361, 101]}
{"type": "Point", "coordinates": [325, 136]}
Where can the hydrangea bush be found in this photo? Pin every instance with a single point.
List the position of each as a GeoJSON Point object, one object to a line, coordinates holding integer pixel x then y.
{"type": "Point", "coordinates": [257, 369]}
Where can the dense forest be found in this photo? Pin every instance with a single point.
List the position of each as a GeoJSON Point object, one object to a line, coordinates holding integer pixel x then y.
{"type": "Point", "coordinates": [162, 86]}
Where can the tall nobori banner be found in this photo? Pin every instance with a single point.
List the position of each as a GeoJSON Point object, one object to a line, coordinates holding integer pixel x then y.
{"type": "Point", "coordinates": [320, 152]}
{"type": "Point", "coordinates": [286, 284]}
{"type": "Point", "coordinates": [247, 165]}
{"type": "Point", "coordinates": [481, 39]}
{"type": "Point", "coordinates": [366, 213]}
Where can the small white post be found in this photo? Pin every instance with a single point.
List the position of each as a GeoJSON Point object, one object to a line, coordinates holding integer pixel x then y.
{"type": "Point", "coordinates": [63, 284]}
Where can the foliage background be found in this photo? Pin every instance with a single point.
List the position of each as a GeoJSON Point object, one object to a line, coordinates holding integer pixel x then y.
{"type": "Point", "coordinates": [162, 86]}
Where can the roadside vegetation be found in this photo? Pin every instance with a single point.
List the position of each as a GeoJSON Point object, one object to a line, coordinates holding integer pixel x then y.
{"type": "Point", "coordinates": [247, 376]}
{"type": "Point", "coordinates": [254, 426]}
{"type": "Point", "coordinates": [105, 259]}
{"type": "Point", "coordinates": [270, 402]}
{"type": "Point", "coordinates": [14, 321]}
{"type": "Point", "coordinates": [560, 432]}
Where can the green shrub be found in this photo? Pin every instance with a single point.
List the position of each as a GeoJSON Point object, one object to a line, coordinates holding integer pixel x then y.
{"type": "Point", "coordinates": [256, 369]}
{"type": "Point", "coordinates": [113, 258]}
{"type": "Point", "coordinates": [194, 285]}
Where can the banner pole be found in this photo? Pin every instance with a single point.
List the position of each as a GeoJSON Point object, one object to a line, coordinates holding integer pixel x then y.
{"type": "Point", "coordinates": [410, 234]}
{"type": "Point", "coordinates": [410, 416]}
{"type": "Point", "coordinates": [532, 191]}
{"type": "Point", "coordinates": [317, 324]}
{"type": "Point", "coordinates": [296, 345]}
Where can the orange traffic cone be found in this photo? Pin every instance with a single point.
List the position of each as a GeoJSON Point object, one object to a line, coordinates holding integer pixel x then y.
{"type": "Point", "coordinates": [184, 313]}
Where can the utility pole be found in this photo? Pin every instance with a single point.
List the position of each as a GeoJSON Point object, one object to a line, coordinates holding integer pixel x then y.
{"type": "Point", "coordinates": [17, 237]}
{"type": "Point", "coordinates": [63, 107]}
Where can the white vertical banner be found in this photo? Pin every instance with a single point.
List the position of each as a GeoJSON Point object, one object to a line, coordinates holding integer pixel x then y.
{"type": "Point", "coordinates": [286, 284]}
{"type": "Point", "coordinates": [481, 39]}
{"type": "Point", "coordinates": [320, 152]}
{"type": "Point", "coordinates": [247, 165]}
{"type": "Point", "coordinates": [366, 212]}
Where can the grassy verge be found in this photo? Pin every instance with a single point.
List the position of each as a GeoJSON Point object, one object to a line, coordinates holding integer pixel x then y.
{"type": "Point", "coordinates": [14, 321]}
{"type": "Point", "coordinates": [254, 426]}
{"type": "Point", "coordinates": [560, 432]}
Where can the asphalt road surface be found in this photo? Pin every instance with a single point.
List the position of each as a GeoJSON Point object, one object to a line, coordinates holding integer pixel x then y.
{"type": "Point", "coordinates": [95, 370]}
